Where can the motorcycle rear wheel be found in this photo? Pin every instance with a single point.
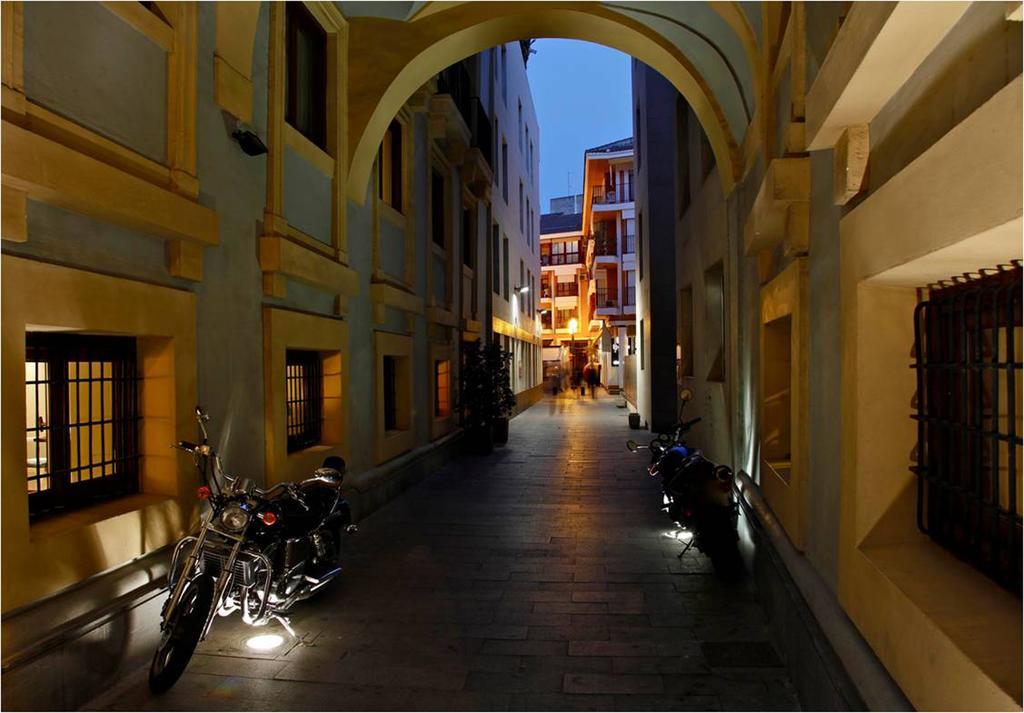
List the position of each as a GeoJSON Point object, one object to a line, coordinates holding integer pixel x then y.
{"type": "Point", "coordinates": [180, 635]}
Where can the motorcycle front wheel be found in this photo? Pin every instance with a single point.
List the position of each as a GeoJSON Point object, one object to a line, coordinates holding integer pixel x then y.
{"type": "Point", "coordinates": [180, 634]}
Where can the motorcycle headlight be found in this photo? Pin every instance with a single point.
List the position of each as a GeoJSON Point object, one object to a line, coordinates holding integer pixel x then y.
{"type": "Point", "coordinates": [233, 518]}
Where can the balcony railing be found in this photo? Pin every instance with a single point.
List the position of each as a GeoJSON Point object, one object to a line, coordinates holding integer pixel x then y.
{"type": "Point", "coordinates": [630, 247]}
{"type": "Point", "coordinates": [559, 258]}
{"type": "Point", "coordinates": [604, 242]}
{"type": "Point", "coordinates": [456, 82]}
{"type": "Point", "coordinates": [610, 195]}
{"type": "Point", "coordinates": [604, 297]}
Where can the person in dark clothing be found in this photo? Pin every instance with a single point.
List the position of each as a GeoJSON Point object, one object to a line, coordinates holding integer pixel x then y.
{"type": "Point", "coordinates": [594, 378]}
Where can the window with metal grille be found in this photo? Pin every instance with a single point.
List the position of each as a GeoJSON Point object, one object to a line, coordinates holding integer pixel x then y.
{"type": "Point", "coordinates": [82, 430]}
{"type": "Point", "coordinates": [390, 393]}
{"type": "Point", "coordinates": [442, 389]}
{"type": "Point", "coordinates": [306, 80]}
{"type": "Point", "coordinates": [967, 351]}
{"type": "Point", "coordinates": [303, 398]}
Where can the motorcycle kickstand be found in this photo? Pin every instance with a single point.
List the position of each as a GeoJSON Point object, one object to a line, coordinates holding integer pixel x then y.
{"type": "Point", "coordinates": [283, 621]}
{"type": "Point", "coordinates": [685, 550]}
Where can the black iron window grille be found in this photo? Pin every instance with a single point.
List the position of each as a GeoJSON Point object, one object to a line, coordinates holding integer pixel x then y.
{"type": "Point", "coordinates": [968, 361]}
{"type": "Point", "coordinates": [390, 393]}
{"type": "Point", "coordinates": [303, 398]}
{"type": "Point", "coordinates": [82, 430]}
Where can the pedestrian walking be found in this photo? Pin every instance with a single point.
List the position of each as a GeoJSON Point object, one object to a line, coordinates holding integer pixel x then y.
{"type": "Point", "coordinates": [594, 378]}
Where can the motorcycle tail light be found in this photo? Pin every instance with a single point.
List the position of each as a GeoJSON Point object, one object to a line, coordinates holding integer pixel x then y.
{"type": "Point", "coordinates": [268, 518]}
{"type": "Point", "coordinates": [203, 492]}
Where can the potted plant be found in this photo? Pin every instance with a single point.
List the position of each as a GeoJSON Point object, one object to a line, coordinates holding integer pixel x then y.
{"type": "Point", "coordinates": [475, 396]}
{"type": "Point", "coordinates": [497, 362]}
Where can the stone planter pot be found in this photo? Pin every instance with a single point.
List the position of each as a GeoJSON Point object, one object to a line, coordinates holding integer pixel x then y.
{"type": "Point", "coordinates": [479, 440]}
{"type": "Point", "coordinates": [500, 431]}
{"type": "Point", "coordinates": [634, 421]}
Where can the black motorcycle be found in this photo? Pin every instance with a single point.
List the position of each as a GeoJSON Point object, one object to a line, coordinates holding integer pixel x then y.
{"type": "Point", "coordinates": [257, 551]}
{"type": "Point", "coordinates": [697, 495]}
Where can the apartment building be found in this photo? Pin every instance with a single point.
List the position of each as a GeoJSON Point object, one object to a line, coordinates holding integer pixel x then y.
{"type": "Point", "coordinates": [564, 310]}
{"type": "Point", "coordinates": [179, 229]}
{"type": "Point", "coordinates": [514, 216]}
{"type": "Point", "coordinates": [609, 220]}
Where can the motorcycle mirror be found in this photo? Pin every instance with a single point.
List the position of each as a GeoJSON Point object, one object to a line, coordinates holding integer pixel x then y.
{"type": "Point", "coordinates": [631, 445]}
{"type": "Point", "coordinates": [201, 415]}
{"type": "Point", "coordinates": [685, 396]}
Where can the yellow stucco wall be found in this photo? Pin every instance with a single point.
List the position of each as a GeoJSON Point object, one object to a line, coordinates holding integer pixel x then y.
{"type": "Point", "coordinates": [45, 557]}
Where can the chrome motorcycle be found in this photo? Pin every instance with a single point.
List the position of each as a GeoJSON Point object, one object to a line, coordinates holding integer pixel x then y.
{"type": "Point", "coordinates": [257, 552]}
{"type": "Point", "coordinates": [697, 495]}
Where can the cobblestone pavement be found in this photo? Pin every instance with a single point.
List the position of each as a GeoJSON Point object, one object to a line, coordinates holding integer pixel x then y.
{"type": "Point", "coordinates": [542, 577]}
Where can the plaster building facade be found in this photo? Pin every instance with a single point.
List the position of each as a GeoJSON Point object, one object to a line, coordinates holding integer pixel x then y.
{"type": "Point", "coordinates": [564, 310]}
{"type": "Point", "coordinates": [610, 219]}
{"type": "Point", "coordinates": [179, 229]}
{"type": "Point", "coordinates": [811, 303]}
{"type": "Point", "coordinates": [515, 216]}
{"type": "Point", "coordinates": [192, 213]}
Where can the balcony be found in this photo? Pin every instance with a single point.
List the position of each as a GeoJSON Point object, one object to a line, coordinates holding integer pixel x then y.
{"type": "Point", "coordinates": [605, 298]}
{"type": "Point", "coordinates": [605, 242]}
{"type": "Point", "coordinates": [630, 245]}
{"type": "Point", "coordinates": [548, 259]}
{"type": "Point", "coordinates": [456, 82]}
{"type": "Point", "coordinates": [567, 289]}
{"type": "Point", "coordinates": [611, 195]}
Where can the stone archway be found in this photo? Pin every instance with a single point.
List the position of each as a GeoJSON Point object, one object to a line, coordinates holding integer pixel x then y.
{"type": "Point", "coordinates": [390, 59]}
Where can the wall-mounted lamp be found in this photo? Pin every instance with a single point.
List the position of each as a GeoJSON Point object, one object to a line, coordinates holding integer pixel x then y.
{"type": "Point", "coordinates": [249, 142]}
{"type": "Point", "coordinates": [522, 289]}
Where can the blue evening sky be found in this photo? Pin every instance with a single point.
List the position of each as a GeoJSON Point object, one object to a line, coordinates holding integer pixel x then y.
{"type": "Point", "coordinates": [582, 96]}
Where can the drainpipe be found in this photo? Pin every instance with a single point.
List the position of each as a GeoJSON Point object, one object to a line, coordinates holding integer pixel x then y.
{"type": "Point", "coordinates": [874, 684]}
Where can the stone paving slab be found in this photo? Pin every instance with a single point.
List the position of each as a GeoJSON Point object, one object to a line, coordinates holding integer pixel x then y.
{"type": "Point", "coordinates": [541, 577]}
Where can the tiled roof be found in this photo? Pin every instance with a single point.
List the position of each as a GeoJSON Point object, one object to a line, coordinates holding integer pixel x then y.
{"type": "Point", "coordinates": [560, 223]}
{"type": "Point", "coordinates": [625, 144]}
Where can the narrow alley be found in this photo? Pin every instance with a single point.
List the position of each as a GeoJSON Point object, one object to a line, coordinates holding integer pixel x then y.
{"type": "Point", "coordinates": [540, 577]}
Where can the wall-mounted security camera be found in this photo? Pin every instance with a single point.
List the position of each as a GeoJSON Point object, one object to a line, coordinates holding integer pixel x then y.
{"type": "Point", "coordinates": [250, 143]}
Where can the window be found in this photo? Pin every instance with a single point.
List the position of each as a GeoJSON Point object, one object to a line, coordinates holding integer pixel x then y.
{"type": "Point", "coordinates": [437, 208]}
{"type": "Point", "coordinates": [522, 226]}
{"type": "Point", "coordinates": [306, 80]}
{"type": "Point", "coordinates": [519, 295]}
{"type": "Point", "coordinates": [496, 139]}
{"type": "Point", "coordinates": [495, 259]}
{"type": "Point", "coordinates": [81, 398]}
{"type": "Point", "coordinates": [442, 389]}
{"type": "Point", "coordinates": [519, 133]}
{"type": "Point", "coordinates": [504, 74]}
{"type": "Point", "coordinates": [968, 362]}
{"type": "Point", "coordinates": [629, 231]}
{"type": "Point", "coordinates": [468, 238]}
{"type": "Point", "coordinates": [303, 398]}
{"type": "Point", "coordinates": [504, 255]}
{"type": "Point", "coordinates": [529, 153]}
{"type": "Point", "coordinates": [389, 167]}
{"type": "Point", "coordinates": [390, 393]}
{"type": "Point", "coordinates": [504, 170]}
{"type": "Point", "coordinates": [630, 287]}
